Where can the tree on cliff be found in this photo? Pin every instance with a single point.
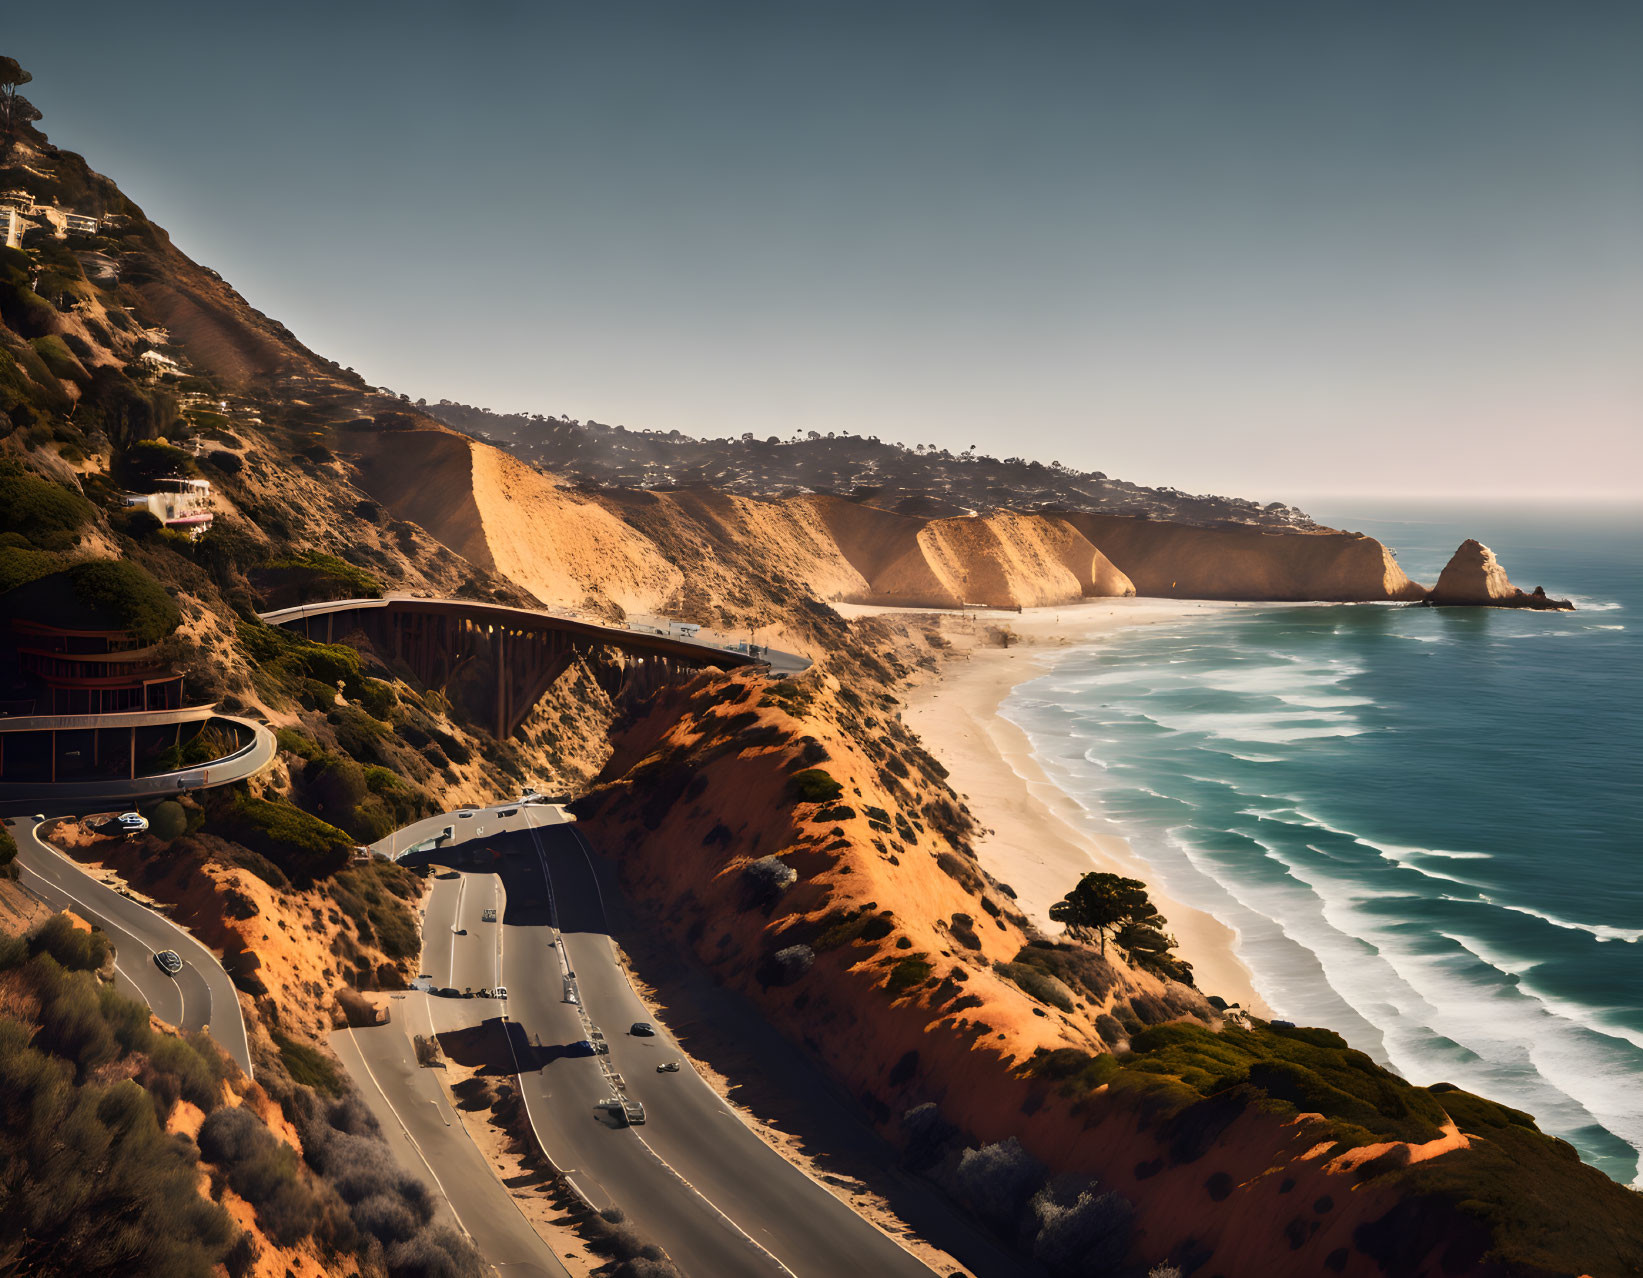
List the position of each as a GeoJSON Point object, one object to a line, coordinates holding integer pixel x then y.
{"type": "Point", "coordinates": [1110, 905]}
{"type": "Point", "coordinates": [16, 111]}
{"type": "Point", "coordinates": [1101, 903]}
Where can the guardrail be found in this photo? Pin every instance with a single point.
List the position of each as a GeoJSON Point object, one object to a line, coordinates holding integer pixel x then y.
{"type": "Point", "coordinates": [244, 762]}
{"type": "Point", "coordinates": [118, 719]}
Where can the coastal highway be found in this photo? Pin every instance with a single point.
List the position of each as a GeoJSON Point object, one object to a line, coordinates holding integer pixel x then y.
{"type": "Point", "coordinates": [199, 997]}
{"type": "Point", "coordinates": [693, 1178]}
{"type": "Point", "coordinates": [428, 1140]}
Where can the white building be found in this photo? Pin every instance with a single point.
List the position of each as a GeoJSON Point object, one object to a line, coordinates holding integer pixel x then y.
{"type": "Point", "coordinates": [183, 504]}
{"type": "Point", "coordinates": [11, 223]}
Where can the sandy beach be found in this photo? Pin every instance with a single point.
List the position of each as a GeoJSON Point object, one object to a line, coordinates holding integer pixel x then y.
{"type": "Point", "coordinates": [1036, 839]}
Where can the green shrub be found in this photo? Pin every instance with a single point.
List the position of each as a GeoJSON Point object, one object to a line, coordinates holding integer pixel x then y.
{"type": "Point", "coordinates": [72, 948]}
{"type": "Point", "coordinates": [382, 780]}
{"type": "Point", "coordinates": [317, 575]}
{"type": "Point", "coordinates": [1040, 985]}
{"type": "Point", "coordinates": [1077, 1070]}
{"type": "Point", "coordinates": [908, 973]}
{"type": "Point", "coordinates": [18, 566]}
{"type": "Point", "coordinates": [816, 786]}
{"type": "Point", "coordinates": [1307, 1071]}
{"type": "Point", "coordinates": [307, 1065]}
{"type": "Point", "coordinates": [303, 846]}
{"type": "Point", "coordinates": [60, 360]}
{"type": "Point", "coordinates": [8, 854]}
{"type": "Point", "coordinates": [37, 507]}
{"type": "Point", "coordinates": [168, 821]}
{"type": "Point", "coordinates": [114, 593]}
{"type": "Point", "coordinates": [295, 743]}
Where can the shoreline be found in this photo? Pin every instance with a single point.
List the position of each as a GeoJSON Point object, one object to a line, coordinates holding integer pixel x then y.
{"type": "Point", "coordinates": [1036, 838]}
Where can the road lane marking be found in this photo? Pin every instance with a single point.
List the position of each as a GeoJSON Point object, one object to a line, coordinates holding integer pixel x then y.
{"type": "Point", "coordinates": [108, 924]}
{"type": "Point", "coordinates": [605, 1067]}
{"type": "Point", "coordinates": [724, 1105]}
{"type": "Point", "coordinates": [187, 939]}
{"type": "Point", "coordinates": [375, 1082]}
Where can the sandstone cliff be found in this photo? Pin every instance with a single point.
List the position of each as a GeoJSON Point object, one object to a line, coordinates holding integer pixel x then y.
{"type": "Point", "coordinates": [714, 555]}
{"type": "Point", "coordinates": [1182, 561]}
{"type": "Point", "coordinates": [1473, 577]}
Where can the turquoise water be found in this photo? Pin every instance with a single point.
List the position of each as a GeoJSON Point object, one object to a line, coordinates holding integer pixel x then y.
{"type": "Point", "coordinates": [1425, 825]}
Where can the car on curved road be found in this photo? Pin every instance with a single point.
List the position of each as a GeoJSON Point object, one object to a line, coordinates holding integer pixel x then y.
{"type": "Point", "coordinates": [169, 961]}
{"type": "Point", "coordinates": [643, 1029]}
{"type": "Point", "coordinates": [582, 1047]}
{"type": "Point", "coordinates": [668, 1067]}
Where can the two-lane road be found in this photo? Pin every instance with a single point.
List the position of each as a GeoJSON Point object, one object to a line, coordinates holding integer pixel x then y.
{"type": "Point", "coordinates": [200, 996]}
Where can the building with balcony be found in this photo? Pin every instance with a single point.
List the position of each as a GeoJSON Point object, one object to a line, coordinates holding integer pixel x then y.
{"type": "Point", "coordinates": [185, 505]}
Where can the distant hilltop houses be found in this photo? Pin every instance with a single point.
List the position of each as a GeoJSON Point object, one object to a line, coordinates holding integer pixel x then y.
{"type": "Point", "coordinates": [19, 214]}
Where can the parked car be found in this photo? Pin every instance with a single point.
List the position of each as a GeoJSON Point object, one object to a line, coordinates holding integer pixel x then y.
{"type": "Point", "coordinates": [170, 962]}
{"type": "Point", "coordinates": [643, 1029]}
{"type": "Point", "coordinates": [489, 916]}
{"type": "Point", "coordinates": [501, 991]}
{"type": "Point", "coordinates": [668, 1067]}
{"type": "Point", "coordinates": [131, 822]}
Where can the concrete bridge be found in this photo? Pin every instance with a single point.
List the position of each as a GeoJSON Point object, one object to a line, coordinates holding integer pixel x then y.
{"type": "Point", "coordinates": [528, 649]}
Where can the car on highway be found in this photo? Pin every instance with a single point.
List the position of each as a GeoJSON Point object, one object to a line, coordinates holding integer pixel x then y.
{"type": "Point", "coordinates": [464, 814]}
{"type": "Point", "coordinates": [131, 822]}
{"type": "Point", "coordinates": [508, 812]}
{"type": "Point", "coordinates": [668, 1067]}
{"type": "Point", "coordinates": [643, 1029]}
{"type": "Point", "coordinates": [581, 1048]}
{"type": "Point", "coordinates": [169, 961]}
{"type": "Point", "coordinates": [622, 1113]}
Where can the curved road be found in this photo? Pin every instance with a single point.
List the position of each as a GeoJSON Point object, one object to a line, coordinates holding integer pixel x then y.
{"type": "Point", "coordinates": [693, 1178]}
{"type": "Point", "coordinates": [199, 997]}
{"type": "Point", "coordinates": [428, 1140]}
{"type": "Point", "coordinates": [90, 796]}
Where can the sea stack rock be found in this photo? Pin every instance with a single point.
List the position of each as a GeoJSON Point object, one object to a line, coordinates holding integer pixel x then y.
{"type": "Point", "coordinates": [1474, 578]}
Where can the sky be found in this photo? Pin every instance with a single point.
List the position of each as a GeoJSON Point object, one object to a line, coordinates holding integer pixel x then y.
{"type": "Point", "coordinates": [1248, 248]}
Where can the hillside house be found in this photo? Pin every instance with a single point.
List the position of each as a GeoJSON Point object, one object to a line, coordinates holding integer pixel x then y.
{"type": "Point", "coordinates": [183, 504]}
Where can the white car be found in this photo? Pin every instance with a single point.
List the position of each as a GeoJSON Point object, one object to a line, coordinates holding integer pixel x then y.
{"type": "Point", "coordinates": [131, 822]}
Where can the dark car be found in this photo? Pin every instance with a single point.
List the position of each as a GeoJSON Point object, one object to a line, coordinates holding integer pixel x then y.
{"type": "Point", "coordinates": [170, 962]}
{"type": "Point", "coordinates": [643, 1029]}
{"type": "Point", "coordinates": [581, 1048]}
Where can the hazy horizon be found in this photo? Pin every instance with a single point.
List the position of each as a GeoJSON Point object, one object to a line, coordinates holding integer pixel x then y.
{"type": "Point", "coordinates": [1266, 250]}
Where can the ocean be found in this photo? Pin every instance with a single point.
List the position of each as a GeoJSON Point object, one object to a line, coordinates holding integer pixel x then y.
{"type": "Point", "coordinates": [1425, 825]}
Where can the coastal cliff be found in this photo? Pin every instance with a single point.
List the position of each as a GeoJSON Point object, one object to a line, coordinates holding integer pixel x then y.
{"type": "Point", "coordinates": [1183, 561]}
{"type": "Point", "coordinates": [643, 551]}
{"type": "Point", "coordinates": [1474, 578]}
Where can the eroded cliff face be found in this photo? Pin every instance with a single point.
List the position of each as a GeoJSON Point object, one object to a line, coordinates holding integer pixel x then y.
{"type": "Point", "coordinates": [1473, 577]}
{"type": "Point", "coordinates": [697, 549]}
{"type": "Point", "coordinates": [1180, 561]}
